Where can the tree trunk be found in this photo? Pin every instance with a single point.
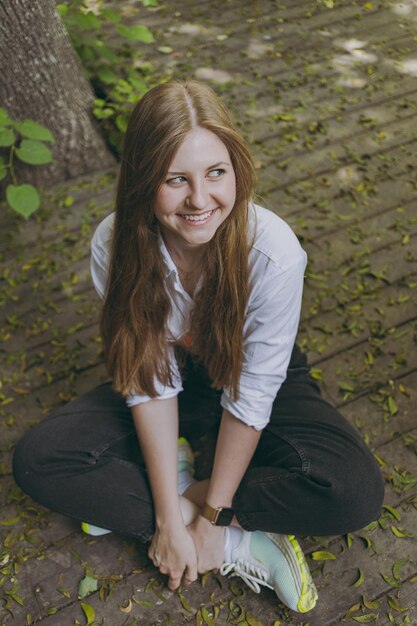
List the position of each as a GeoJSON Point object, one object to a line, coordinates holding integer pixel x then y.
{"type": "Point", "coordinates": [41, 78]}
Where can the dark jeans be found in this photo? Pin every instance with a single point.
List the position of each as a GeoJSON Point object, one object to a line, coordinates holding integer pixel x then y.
{"type": "Point", "coordinates": [311, 474]}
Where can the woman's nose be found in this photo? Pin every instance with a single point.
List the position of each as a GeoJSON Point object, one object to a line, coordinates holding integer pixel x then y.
{"type": "Point", "coordinates": [198, 197]}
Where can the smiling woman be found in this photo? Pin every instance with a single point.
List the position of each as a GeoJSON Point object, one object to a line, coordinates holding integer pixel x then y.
{"type": "Point", "coordinates": [202, 294]}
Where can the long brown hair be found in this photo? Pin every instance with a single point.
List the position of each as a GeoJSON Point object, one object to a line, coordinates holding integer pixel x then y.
{"type": "Point", "coordinates": [136, 308]}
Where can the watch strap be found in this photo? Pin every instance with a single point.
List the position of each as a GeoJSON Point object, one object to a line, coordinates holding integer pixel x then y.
{"type": "Point", "coordinates": [214, 514]}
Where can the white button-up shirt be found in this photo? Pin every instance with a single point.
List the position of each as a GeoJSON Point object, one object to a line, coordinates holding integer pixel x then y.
{"type": "Point", "coordinates": [277, 263]}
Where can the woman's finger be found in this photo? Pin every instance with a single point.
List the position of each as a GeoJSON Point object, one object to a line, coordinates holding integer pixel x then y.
{"type": "Point", "coordinates": [191, 574]}
{"type": "Point", "coordinates": [154, 558]}
{"type": "Point", "coordinates": [174, 581]}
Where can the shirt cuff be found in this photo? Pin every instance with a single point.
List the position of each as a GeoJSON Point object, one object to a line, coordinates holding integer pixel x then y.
{"type": "Point", "coordinates": [256, 414]}
{"type": "Point", "coordinates": [167, 392]}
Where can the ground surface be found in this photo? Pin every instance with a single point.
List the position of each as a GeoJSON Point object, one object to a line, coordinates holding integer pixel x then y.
{"type": "Point", "coordinates": [327, 97]}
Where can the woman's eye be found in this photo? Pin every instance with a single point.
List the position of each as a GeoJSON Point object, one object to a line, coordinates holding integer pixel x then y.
{"type": "Point", "coordinates": [217, 173]}
{"type": "Point", "coordinates": [176, 181]}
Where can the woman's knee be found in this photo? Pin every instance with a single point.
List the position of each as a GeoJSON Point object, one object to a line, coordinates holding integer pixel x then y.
{"type": "Point", "coordinates": [357, 494]}
{"type": "Point", "coordinates": [28, 456]}
{"type": "Point", "coordinates": [36, 456]}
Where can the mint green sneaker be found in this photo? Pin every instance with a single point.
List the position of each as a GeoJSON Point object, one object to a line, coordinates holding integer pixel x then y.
{"type": "Point", "coordinates": [94, 531]}
{"type": "Point", "coordinates": [274, 561]}
{"type": "Point", "coordinates": [185, 456]}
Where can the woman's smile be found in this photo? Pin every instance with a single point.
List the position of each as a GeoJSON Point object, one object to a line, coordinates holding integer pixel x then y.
{"type": "Point", "coordinates": [197, 219]}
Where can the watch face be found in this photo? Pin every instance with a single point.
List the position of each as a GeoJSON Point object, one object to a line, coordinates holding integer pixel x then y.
{"type": "Point", "coordinates": [225, 517]}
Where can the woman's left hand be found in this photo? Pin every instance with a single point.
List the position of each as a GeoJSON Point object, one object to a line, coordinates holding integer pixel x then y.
{"type": "Point", "coordinates": [209, 544]}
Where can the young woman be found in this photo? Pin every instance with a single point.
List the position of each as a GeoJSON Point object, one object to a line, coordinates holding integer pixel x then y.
{"type": "Point", "coordinates": [202, 293]}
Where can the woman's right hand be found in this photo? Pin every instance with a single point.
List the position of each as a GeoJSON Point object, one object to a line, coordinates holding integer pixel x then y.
{"type": "Point", "coordinates": [172, 551]}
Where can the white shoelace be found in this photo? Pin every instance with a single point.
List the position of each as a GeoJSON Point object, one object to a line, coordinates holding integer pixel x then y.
{"type": "Point", "coordinates": [250, 574]}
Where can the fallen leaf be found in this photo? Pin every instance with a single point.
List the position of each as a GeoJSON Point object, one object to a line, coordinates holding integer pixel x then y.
{"type": "Point", "coordinates": [322, 555]}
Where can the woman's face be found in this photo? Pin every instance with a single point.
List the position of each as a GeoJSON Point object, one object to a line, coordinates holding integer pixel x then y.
{"type": "Point", "coordinates": [198, 193]}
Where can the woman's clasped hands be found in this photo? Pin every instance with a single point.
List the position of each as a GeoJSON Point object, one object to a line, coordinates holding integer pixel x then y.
{"type": "Point", "coordinates": [182, 552]}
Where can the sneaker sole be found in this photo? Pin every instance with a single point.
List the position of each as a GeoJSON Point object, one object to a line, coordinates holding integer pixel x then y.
{"type": "Point", "coordinates": [290, 547]}
{"type": "Point", "coordinates": [93, 531]}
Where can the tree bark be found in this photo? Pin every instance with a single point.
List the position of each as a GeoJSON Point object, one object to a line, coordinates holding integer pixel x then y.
{"type": "Point", "coordinates": [41, 78]}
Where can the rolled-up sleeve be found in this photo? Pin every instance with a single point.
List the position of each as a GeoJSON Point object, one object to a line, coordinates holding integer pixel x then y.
{"type": "Point", "coordinates": [269, 335]}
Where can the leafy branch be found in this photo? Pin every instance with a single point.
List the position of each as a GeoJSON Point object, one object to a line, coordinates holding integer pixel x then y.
{"type": "Point", "coordinates": [118, 74]}
{"type": "Point", "coordinates": [25, 140]}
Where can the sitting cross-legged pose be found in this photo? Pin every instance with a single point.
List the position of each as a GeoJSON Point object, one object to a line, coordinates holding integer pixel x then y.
{"type": "Point", "coordinates": [202, 293]}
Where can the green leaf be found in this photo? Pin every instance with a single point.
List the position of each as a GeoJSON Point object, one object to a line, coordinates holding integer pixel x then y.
{"type": "Point", "coordinates": [23, 198]}
{"type": "Point", "coordinates": [64, 592]}
{"type": "Point", "coordinates": [107, 76]}
{"type": "Point", "coordinates": [399, 533]}
{"type": "Point", "coordinates": [68, 201]}
{"type": "Point", "coordinates": [370, 604]}
{"type": "Point", "coordinates": [353, 609]}
{"type": "Point", "coordinates": [52, 610]}
{"type": "Point", "coordinates": [136, 33]}
{"type": "Point", "coordinates": [207, 617]}
{"type": "Point", "coordinates": [11, 521]}
{"type": "Point", "coordinates": [252, 621]}
{"type": "Point", "coordinates": [34, 130]}
{"type": "Point", "coordinates": [391, 581]}
{"type": "Point", "coordinates": [165, 49]}
{"type": "Point", "coordinates": [62, 9]}
{"type": "Point", "coordinates": [87, 585]}
{"type": "Point", "coordinates": [316, 373]}
{"type": "Point", "coordinates": [111, 16]}
{"type": "Point", "coordinates": [397, 566]}
{"type": "Point", "coordinates": [87, 21]}
{"type": "Point", "coordinates": [4, 117]}
{"type": "Point", "coordinates": [89, 613]}
{"type": "Point", "coordinates": [138, 83]}
{"type": "Point", "coordinates": [15, 597]}
{"type": "Point", "coordinates": [284, 117]}
{"type": "Point", "coordinates": [322, 555]}
{"type": "Point", "coordinates": [366, 619]}
{"type": "Point", "coordinates": [237, 613]}
{"type": "Point", "coordinates": [184, 602]}
{"type": "Point", "coordinates": [7, 137]}
{"type": "Point", "coordinates": [394, 604]}
{"type": "Point", "coordinates": [392, 511]}
{"type": "Point", "coordinates": [121, 123]}
{"type": "Point", "coordinates": [346, 386]}
{"type": "Point", "coordinates": [34, 152]}
{"type": "Point", "coordinates": [393, 409]}
{"type": "Point", "coordinates": [360, 579]}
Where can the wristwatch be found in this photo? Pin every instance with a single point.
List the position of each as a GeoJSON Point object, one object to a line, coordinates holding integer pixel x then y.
{"type": "Point", "coordinates": [220, 516]}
